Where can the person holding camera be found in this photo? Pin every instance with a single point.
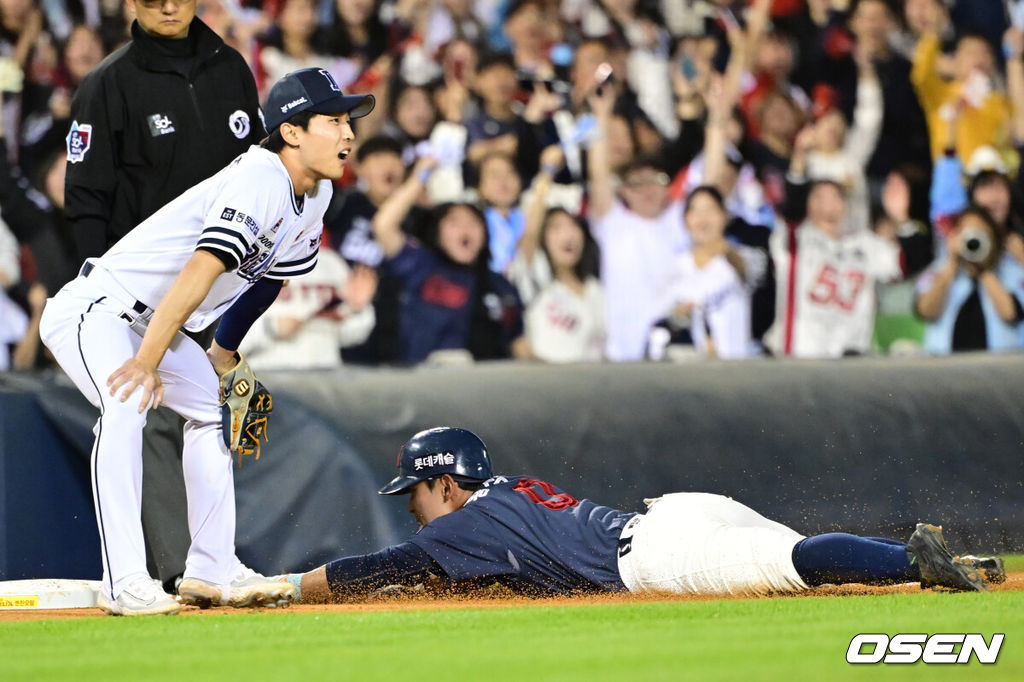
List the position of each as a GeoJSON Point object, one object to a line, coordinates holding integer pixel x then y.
{"type": "Point", "coordinates": [972, 296]}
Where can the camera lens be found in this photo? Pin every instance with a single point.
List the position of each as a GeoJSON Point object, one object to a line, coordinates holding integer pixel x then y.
{"type": "Point", "coordinates": [973, 244]}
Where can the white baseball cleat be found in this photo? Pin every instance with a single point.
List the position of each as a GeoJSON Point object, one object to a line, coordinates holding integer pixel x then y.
{"type": "Point", "coordinates": [142, 597]}
{"type": "Point", "coordinates": [249, 588]}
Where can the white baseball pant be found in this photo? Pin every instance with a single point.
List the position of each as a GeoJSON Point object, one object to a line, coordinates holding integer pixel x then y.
{"type": "Point", "coordinates": [699, 543]}
{"type": "Point", "coordinates": [91, 329]}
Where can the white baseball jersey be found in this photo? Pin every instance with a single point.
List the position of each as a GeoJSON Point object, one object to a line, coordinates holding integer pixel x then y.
{"type": "Point", "coordinates": [248, 212]}
{"type": "Point", "coordinates": [563, 326]}
{"type": "Point", "coordinates": [825, 292]}
{"type": "Point", "coordinates": [328, 324]}
{"type": "Point", "coordinates": [636, 255]}
{"type": "Point", "coordinates": [721, 303]}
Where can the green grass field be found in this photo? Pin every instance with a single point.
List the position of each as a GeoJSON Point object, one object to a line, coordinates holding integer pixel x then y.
{"type": "Point", "coordinates": [762, 639]}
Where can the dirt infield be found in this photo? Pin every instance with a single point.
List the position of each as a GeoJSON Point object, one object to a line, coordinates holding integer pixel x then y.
{"type": "Point", "coordinates": [1014, 582]}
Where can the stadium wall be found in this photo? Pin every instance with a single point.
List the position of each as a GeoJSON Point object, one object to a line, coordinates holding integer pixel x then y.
{"type": "Point", "coordinates": [866, 445]}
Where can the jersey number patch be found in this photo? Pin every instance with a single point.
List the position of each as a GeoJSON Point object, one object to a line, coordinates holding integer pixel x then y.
{"type": "Point", "coordinates": [556, 501]}
{"type": "Point", "coordinates": [839, 289]}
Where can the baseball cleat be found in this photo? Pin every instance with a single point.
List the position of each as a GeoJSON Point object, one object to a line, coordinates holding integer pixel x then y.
{"type": "Point", "coordinates": [990, 567]}
{"type": "Point", "coordinates": [249, 588]}
{"type": "Point", "coordinates": [142, 597]}
{"type": "Point", "coordinates": [938, 566]}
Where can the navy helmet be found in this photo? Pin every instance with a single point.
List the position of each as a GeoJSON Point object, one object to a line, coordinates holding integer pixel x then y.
{"type": "Point", "coordinates": [444, 450]}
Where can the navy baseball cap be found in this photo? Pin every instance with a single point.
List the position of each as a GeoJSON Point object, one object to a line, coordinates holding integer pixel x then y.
{"type": "Point", "coordinates": [313, 90]}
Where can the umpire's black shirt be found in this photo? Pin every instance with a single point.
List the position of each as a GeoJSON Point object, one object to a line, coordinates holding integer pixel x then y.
{"type": "Point", "coordinates": [156, 117]}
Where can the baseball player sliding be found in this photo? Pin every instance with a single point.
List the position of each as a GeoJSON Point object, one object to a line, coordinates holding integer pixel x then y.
{"type": "Point", "coordinates": [224, 247]}
{"type": "Point", "coordinates": [529, 535]}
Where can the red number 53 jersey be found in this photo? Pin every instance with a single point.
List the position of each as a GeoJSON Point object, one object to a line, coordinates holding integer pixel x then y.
{"type": "Point", "coordinates": [825, 292]}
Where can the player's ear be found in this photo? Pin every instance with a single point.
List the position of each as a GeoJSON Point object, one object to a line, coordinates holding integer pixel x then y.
{"type": "Point", "coordinates": [448, 487]}
{"type": "Point", "coordinates": [290, 134]}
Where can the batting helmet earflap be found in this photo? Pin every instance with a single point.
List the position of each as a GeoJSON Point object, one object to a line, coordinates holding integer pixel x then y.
{"type": "Point", "coordinates": [444, 450]}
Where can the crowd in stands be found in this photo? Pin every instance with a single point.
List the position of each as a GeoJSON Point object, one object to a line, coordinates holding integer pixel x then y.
{"type": "Point", "coordinates": [589, 180]}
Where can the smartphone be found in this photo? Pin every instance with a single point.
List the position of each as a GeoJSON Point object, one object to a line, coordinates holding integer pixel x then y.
{"type": "Point", "coordinates": [602, 75]}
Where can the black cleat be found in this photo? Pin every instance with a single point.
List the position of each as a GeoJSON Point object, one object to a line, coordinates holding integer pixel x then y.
{"type": "Point", "coordinates": [990, 567]}
{"type": "Point", "coordinates": [938, 566]}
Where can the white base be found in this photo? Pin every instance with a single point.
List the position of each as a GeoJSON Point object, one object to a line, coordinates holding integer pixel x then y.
{"type": "Point", "coordinates": [48, 593]}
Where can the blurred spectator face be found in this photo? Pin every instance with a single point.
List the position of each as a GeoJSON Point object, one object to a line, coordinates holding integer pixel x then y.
{"type": "Point", "coordinates": [779, 116]}
{"type": "Point", "coordinates": [701, 48]}
{"type": "Point", "coordinates": [164, 18]}
{"type": "Point", "coordinates": [297, 19]}
{"type": "Point", "coordinates": [563, 240]}
{"type": "Point", "coordinates": [14, 12]}
{"type": "Point", "coordinates": [461, 235]}
{"type": "Point", "coordinates": [382, 173]}
{"type": "Point", "coordinates": [826, 207]}
{"type": "Point", "coordinates": [588, 57]}
{"type": "Point", "coordinates": [830, 131]}
{"type": "Point", "coordinates": [496, 84]}
{"type": "Point", "coordinates": [648, 139]}
{"type": "Point", "coordinates": [459, 61]}
{"type": "Point", "coordinates": [499, 182]}
{"type": "Point", "coordinates": [621, 147]}
{"type": "Point", "coordinates": [917, 13]}
{"type": "Point", "coordinates": [526, 28]}
{"type": "Point", "coordinates": [355, 12]}
{"type": "Point", "coordinates": [775, 57]}
{"type": "Point", "coordinates": [705, 219]}
{"type": "Point", "coordinates": [457, 8]}
{"type": "Point", "coordinates": [645, 191]}
{"type": "Point", "coordinates": [972, 54]}
{"type": "Point", "coordinates": [83, 52]}
{"type": "Point", "coordinates": [994, 196]}
{"type": "Point", "coordinates": [872, 22]}
{"type": "Point", "coordinates": [53, 181]}
{"type": "Point", "coordinates": [415, 113]}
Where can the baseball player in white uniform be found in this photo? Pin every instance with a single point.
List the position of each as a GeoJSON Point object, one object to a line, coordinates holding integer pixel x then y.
{"type": "Point", "coordinates": [826, 274]}
{"type": "Point", "coordinates": [224, 247]}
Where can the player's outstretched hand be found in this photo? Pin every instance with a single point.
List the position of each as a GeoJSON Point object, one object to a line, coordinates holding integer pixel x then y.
{"type": "Point", "coordinates": [133, 374]}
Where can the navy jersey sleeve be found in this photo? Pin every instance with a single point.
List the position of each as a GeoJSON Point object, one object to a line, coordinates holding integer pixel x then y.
{"type": "Point", "coordinates": [404, 564]}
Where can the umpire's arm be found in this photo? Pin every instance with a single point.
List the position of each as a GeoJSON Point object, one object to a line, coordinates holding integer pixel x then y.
{"type": "Point", "coordinates": [91, 180]}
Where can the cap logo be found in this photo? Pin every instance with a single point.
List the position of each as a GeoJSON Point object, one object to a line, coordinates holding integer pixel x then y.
{"type": "Point", "coordinates": [294, 103]}
{"type": "Point", "coordinates": [446, 458]}
{"type": "Point", "coordinates": [330, 80]}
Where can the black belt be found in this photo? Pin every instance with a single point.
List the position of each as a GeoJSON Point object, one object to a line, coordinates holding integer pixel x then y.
{"type": "Point", "coordinates": [139, 307]}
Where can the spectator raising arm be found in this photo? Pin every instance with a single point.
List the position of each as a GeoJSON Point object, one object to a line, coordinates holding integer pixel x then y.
{"type": "Point", "coordinates": [387, 223]}
{"type": "Point", "coordinates": [550, 163]}
{"type": "Point", "coordinates": [602, 184]}
{"type": "Point", "coordinates": [1013, 46]}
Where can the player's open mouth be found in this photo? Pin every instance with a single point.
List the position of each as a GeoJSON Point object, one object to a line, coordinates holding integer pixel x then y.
{"type": "Point", "coordinates": [343, 154]}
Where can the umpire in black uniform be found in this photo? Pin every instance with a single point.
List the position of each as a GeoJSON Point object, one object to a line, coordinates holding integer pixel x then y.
{"type": "Point", "coordinates": [162, 113]}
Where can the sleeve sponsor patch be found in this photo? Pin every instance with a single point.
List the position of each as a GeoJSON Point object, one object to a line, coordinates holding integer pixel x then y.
{"type": "Point", "coordinates": [79, 140]}
{"type": "Point", "coordinates": [228, 214]}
